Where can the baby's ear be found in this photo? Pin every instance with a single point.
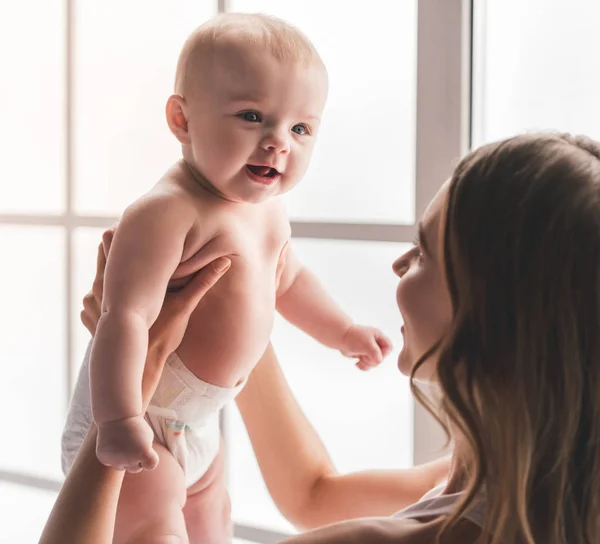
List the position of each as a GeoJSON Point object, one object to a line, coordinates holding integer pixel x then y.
{"type": "Point", "coordinates": [177, 118]}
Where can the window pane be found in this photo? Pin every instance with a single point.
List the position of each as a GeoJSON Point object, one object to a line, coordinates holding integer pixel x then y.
{"type": "Point", "coordinates": [32, 106]}
{"type": "Point", "coordinates": [363, 166]}
{"type": "Point", "coordinates": [365, 419]}
{"type": "Point", "coordinates": [32, 344]}
{"type": "Point", "coordinates": [537, 67]}
{"type": "Point", "coordinates": [126, 54]}
{"type": "Point", "coordinates": [24, 513]}
{"type": "Point", "coordinates": [85, 248]}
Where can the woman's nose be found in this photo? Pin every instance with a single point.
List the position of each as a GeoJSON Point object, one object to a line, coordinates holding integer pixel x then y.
{"type": "Point", "coordinates": [400, 266]}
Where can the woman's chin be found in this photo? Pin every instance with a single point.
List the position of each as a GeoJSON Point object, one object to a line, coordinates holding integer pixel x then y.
{"type": "Point", "coordinates": [405, 362]}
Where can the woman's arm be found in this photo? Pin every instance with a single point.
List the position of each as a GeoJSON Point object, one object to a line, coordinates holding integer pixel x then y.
{"type": "Point", "coordinates": [297, 469]}
{"type": "Point", "coordinates": [86, 506]}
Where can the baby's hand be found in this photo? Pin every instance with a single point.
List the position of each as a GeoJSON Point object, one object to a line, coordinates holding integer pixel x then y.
{"type": "Point", "coordinates": [369, 345]}
{"type": "Point", "coordinates": [126, 444]}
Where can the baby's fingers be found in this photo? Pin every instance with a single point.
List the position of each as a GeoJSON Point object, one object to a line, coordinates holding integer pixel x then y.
{"type": "Point", "coordinates": [373, 352]}
{"type": "Point", "coordinates": [364, 363]}
{"type": "Point", "coordinates": [385, 344]}
{"type": "Point", "coordinates": [149, 460]}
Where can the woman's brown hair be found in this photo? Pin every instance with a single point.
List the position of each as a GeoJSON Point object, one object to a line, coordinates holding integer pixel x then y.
{"type": "Point", "coordinates": [520, 367]}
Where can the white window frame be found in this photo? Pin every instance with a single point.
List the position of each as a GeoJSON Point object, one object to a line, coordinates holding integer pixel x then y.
{"type": "Point", "coordinates": [443, 125]}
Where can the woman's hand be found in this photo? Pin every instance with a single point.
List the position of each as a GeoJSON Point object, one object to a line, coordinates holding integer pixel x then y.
{"type": "Point", "coordinates": [166, 333]}
{"type": "Point", "coordinates": [86, 506]}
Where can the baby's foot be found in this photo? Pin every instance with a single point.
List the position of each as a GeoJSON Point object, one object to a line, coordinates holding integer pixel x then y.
{"type": "Point", "coordinates": [126, 444]}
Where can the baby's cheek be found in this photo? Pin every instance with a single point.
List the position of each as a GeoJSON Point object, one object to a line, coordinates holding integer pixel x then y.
{"type": "Point", "coordinates": [299, 164]}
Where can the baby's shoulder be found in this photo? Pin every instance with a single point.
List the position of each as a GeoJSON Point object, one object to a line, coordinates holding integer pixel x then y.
{"type": "Point", "coordinates": [163, 202]}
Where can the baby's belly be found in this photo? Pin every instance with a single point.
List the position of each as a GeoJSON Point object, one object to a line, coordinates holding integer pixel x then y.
{"type": "Point", "coordinates": [228, 333]}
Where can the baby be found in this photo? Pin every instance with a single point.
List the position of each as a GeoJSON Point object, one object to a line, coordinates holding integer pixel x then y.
{"type": "Point", "coordinates": [249, 95]}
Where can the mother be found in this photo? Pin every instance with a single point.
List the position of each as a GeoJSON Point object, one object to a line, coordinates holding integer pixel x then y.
{"type": "Point", "coordinates": [501, 306]}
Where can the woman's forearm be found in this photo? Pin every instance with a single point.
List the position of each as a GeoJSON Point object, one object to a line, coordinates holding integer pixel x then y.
{"type": "Point", "coordinates": [297, 469]}
{"type": "Point", "coordinates": [86, 506]}
{"type": "Point", "coordinates": [373, 492]}
{"type": "Point", "coordinates": [291, 456]}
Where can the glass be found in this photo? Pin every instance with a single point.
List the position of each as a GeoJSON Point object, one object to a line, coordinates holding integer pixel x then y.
{"type": "Point", "coordinates": [363, 165]}
{"type": "Point", "coordinates": [32, 291]}
{"type": "Point", "coordinates": [536, 68]}
{"type": "Point", "coordinates": [32, 106]}
{"type": "Point", "coordinates": [365, 419]}
{"type": "Point", "coordinates": [24, 513]}
{"type": "Point", "coordinates": [126, 53]}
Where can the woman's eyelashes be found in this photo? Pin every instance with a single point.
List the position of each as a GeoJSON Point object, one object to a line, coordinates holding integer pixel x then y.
{"type": "Point", "coordinates": [416, 252]}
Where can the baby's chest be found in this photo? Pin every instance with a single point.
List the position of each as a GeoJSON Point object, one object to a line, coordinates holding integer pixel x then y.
{"type": "Point", "coordinates": [256, 249]}
{"type": "Point", "coordinates": [257, 257]}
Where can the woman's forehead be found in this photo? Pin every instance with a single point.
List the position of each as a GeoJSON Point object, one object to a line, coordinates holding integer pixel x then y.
{"type": "Point", "coordinates": [432, 217]}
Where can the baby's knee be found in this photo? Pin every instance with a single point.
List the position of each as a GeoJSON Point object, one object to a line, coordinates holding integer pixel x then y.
{"type": "Point", "coordinates": [169, 529]}
{"type": "Point", "coordinates": [164, 539]}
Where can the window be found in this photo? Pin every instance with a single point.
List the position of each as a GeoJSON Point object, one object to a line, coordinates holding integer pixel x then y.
{"type": "Point", "coordinates": [95, 139]}
{"type": "Point", "coordinates": [370, 110]}
{"type": "Point", "coordinates": [33, 135]}
{"type": "Point", "coordinates": [535, 68]}
{"type": "Point", "coordinates": [370, 117]}
{"type": "Point", "coordinates": [348, 408]}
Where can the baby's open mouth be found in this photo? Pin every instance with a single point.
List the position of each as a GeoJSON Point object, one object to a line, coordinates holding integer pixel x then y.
{"type": "Point", "coordinates": [263, 171]}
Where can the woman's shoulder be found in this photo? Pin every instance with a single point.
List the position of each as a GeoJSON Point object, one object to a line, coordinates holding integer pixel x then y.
{"type": "Point", "coordinates": [390, 531]}
{"type": "Point", "coordinates": [464, 532]}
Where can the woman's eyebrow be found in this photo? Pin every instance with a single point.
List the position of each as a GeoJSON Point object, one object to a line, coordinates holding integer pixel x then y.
{"type": "Point", "coordinates": [423, 240]}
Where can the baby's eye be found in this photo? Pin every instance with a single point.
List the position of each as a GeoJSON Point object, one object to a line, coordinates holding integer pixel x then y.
{"type": "Point", "coordinates": [250, 116]}
{"type": "Point", "coordinates": [300, 129]}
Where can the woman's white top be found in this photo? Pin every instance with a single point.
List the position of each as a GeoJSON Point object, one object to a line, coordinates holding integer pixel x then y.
{"type": "Point", "coordinates": [434, 504]}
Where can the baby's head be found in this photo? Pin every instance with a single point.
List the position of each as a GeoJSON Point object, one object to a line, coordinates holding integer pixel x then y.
{"type": "Point", "coordinates": [249, 95]}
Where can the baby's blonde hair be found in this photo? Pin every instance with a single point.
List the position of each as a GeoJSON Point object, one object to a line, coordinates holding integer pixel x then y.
{"type": "Point", "coordinates": [281, 40]}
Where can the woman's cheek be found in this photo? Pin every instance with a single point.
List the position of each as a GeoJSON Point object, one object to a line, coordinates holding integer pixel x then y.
{"type": "Point", "coordinates": [407, 295]}
{"type": "Point", "coordinates": [421, 308]}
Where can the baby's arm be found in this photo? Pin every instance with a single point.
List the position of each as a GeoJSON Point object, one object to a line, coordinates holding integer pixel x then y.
{"type": "Point", "coordinates": [304, 302]}
{"type": "Point", "coordinates": [146, 249]}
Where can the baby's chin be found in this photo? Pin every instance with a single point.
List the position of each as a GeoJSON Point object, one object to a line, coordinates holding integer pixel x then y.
{"type": "Point", "coordinates": [254, 195]}
{"type": "Point", "coordinates": [246, 195]}
{"type": "Point", "coordinates": [255, 198]}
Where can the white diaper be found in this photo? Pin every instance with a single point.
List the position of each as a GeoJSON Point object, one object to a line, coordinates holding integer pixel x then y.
{"type": "Point", "coordinates": [183, 413]}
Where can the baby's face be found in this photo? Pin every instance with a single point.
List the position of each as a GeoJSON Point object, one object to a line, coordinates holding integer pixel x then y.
{"type": "Point", "coordinates": [253, 122]}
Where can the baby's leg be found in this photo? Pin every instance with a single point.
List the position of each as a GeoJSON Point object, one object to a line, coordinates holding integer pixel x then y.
{"type": "Point", "coordinates": [150, 505]}
{"type": "Point", "coordinates": [208, 509]}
